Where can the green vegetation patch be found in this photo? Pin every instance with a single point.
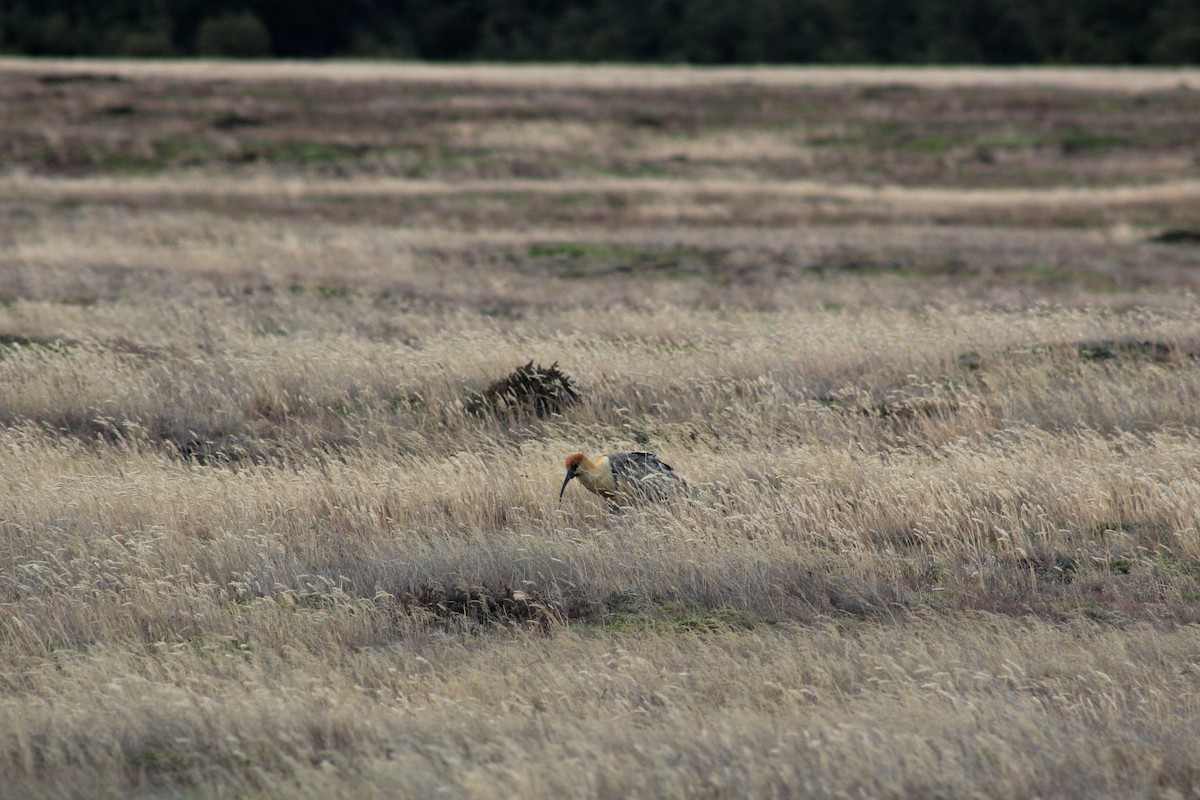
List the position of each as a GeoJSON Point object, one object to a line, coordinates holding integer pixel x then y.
{"type": "Point", "coordinates": [186, 149]}
{"type": "Point", "coordinates": [1087, 141]}
{"type": "Point", "coordinates": [1008, 140]}
{"type": "Point", "coordinates": [12, 341]}
{"type": "Point", "coordinates": [930, 144]}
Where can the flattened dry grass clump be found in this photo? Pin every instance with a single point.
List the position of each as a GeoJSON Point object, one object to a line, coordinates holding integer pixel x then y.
{"type": "Point", "coordinates": [528, 390]}
{"type": "Point", "coordinates": [1109, 349]}
{"type": "Point", "coordinates": [1176, 236]}
{"type": "Point", "coordinates": [502, 606]}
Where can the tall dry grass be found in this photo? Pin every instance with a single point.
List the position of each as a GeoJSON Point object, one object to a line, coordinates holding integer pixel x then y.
{"type": "Point", "coordinates": [256, 540]}
{"type": "Point", "coordinates": [273, 557]}
{"type": "Point", "coordinates": [1016, 707]}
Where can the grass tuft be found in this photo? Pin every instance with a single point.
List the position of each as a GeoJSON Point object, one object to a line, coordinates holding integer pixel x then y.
{"type": "Point", "coordinates": [527, 390]}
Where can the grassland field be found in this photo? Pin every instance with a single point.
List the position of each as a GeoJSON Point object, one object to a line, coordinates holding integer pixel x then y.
{"type": "Point", "coordinates": [926, 343]}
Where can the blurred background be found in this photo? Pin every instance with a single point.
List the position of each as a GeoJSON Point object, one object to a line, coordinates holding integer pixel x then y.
{"type": "Point", "coordinates": [668, 31]}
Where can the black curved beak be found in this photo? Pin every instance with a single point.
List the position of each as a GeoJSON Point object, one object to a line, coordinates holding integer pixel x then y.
{"type": "Point", "coordinates": [566, 480]}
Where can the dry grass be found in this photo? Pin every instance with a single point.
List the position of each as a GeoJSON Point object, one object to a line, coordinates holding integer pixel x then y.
{"type": "Point", "coordinates": [259, 538]}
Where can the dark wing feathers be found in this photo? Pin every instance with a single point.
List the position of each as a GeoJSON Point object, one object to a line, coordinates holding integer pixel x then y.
{"type": "Point", "coordinates": [643, 471]}
{"type": "Point", "coordinates": [637, 465]}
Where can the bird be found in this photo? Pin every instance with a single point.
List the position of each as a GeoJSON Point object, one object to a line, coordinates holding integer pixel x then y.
{"type": "Point", "coordinates": [623, 476]}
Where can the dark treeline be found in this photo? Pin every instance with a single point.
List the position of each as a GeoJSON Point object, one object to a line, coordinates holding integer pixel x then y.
{"type": "Point", "coordinates": [695, 31]}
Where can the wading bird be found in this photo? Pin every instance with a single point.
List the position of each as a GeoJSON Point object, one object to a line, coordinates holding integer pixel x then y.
{"type": "Point", "coordinates": [623, 477]}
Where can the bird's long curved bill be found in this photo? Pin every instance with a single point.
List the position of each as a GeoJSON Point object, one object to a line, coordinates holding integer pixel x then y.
{"type": "Point", "coordinates": [566, 480]}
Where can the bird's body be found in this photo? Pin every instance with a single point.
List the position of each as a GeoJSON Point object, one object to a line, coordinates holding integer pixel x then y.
{"type": "Point", "coordinates": [623, 476]}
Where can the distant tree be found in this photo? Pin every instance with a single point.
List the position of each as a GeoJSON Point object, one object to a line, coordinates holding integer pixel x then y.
{"type": "Point", "coordinates": [50, 34]}
{"type": "Point", "coordinates": [382, 40]}
{"type": "Point", "coordinates": [444, 30]}
{"type": "Point", "coordinates": [713, 31]}
{"type": "Point", "coordinates": [1176, 39]}
{"type": "Point", "coordinates": [700, 31]}
{"type": "Point", "coordinates": [320, 28]}
{"type": "Point", "coordinates": [145, 44]}
{"type": "Point", "coordinates": [233, 35]}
